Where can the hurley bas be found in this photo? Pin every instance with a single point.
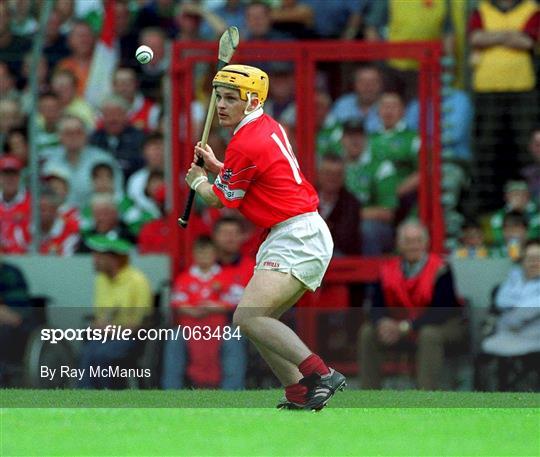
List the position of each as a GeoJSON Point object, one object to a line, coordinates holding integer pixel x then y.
{"type": "Point", "coordinates": [94, 372]}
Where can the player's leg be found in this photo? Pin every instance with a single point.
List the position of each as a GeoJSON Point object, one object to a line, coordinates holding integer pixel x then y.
{"type": "Point", "coordinates": [284, 370]}
{"type": "Point", "coordinates": [265, 296]}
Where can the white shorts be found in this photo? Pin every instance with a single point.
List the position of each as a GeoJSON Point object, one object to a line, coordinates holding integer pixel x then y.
{"type": "Point", "coordinates": [301, 246]}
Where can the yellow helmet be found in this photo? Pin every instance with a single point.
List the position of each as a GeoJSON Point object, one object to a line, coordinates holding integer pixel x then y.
{"type": "Point", "coordinates": [244, 78]}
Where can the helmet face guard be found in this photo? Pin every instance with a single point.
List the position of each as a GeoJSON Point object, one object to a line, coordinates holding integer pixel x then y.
{"type": "Point", "coordinates": [247, 80]}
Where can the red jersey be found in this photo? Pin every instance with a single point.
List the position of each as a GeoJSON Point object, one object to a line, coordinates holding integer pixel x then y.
{"type": "Point", "coordinates": [261, 176]}
{"type": "Point", "coordinates": [63, 238]}
{"type": "Point", "coordinates": [237, 275]}
{"type": "Point", "coordinates": [155, 237]}
{"type": "Point", "coordinates": [14, 223]}
{"type": "Point", "coordinates": [193, 288]}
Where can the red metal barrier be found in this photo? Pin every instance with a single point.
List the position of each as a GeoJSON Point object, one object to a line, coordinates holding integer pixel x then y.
{"type": "Point", "coordinates": [305, 56]}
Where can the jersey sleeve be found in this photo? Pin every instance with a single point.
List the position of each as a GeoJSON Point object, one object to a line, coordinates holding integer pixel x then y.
{"type": "Point", "coordinates": [234, 179]}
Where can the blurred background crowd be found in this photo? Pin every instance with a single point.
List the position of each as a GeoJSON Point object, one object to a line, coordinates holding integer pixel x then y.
{"type": "Point", "coordinates": [367, 118]}
{"type": "Point", "coordinates": [102, 156]}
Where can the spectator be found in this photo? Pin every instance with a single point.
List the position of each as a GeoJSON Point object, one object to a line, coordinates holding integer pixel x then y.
{"type": "Point", "coordinates": [55, 48]}
{"type": "Point", "coordinates": [122, 297]}
{"type": "Point", "coordinates": [158, 14]}
{"type": "Point", "coordinates": [155, 235]}
{"type": "Point", "coordinates": [361, 104]}
{"type": "Point", "coordinates": [281, 94]}
{"type": "Point", "coordinates": [353, 142]}
{"type": "Point", "coordinates": [57, 177]}
{"type": "Point", "coordinates": [80, 158]}
{"type": "Point", "coordinates": [294, 18]}
{"type": "Point", "coordinates": [143, 113]}
{"type": "Point", "coordinates": [517, 329]}
{"type": "Point", "coordinates": [472, 245]}
{"type": "Point", "coordinates": [12, 48]}
{"type": "Point", "coordinates": [118, 137]}
{"type": "Point", "coordinates": [259, 23]}
{"type": "Point", "coordinates": [150, 75]}
{"type": "Point", "coordinates": [190, 16]}
{"type": "Point", "coordinates": [229, 238]}
{"type": "Point", "coordinates": [23, 23]}
{"type": "Point", "coordinates": [64, 86]}
{"type": "Point", "coordinates": [14, 206]}
{"type": "Point", "coordinates": [338, 207]}
{"type": "Point", "coordinates": [132, 217]}
{"type": "Point", "coordinates": [410, 21]}
{"type": "Point", "coordinates": [196, 301]}
{"type": "Point", "coordinates": [514, 230]}
{"type": "Point", "coordinates": [338, 19]}
{"type": "Point", "coordinates": [232, 12]}
{"type": "Point", "coordinates": [517, 198]}
{"type": "Point", "coordinates": [15, 317]}
{"type": "Point", "coordinates": [81, 41]}
{"type": "Point", "coordinates": [502, 34]}
{"type": "Point", "coordinates": [414, 304]}
{"type": "Point", "coordinates": [374, 182]}
{"type": "Point", "coordinates": [8, 88]}
{"type": "Point", "coordinates": [102, 217]}
{"type": "Point", "coordinates": [66, 10]}
{"type": "Point", "coordinates": [153, 152]}
{"type": "Point", "coordinates": [398, 144]}
{"type": "Point", "coordinates": [329, 131]}
{"type": "Point", "coordinates": [59, 235]}
{"type": "Point", "coordinates": [531, 173]}
{"type": "Point", "coordinates": [11, 117]}
{"type": "Point", "coordinates": [16, 145]}
{"type": "Point", "coordinates": [50, 112]}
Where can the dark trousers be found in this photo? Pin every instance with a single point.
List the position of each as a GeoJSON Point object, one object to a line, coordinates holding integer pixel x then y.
{"type": "Point", "coordinates": [502, 126]}
{"type": "Point", "coordinates": [430, 345]}
{"type": "Point", "coordinates": [97, 354]}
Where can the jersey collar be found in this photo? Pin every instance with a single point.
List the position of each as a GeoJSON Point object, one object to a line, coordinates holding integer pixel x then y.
{"type": "Point", "coordinates": [205, 276]}
{"type": "Point", "coordinates": [249, 118]}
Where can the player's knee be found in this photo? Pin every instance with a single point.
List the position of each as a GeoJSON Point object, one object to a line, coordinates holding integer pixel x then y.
{"type": "Point", "coordinates": [240, 320]}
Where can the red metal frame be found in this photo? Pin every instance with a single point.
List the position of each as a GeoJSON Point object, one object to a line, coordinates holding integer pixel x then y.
{"type": "Point", "coordinates": [305, 56]}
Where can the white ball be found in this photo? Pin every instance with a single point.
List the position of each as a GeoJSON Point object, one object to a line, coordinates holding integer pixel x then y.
{"type": "Point", "coordinates": [144, 54]}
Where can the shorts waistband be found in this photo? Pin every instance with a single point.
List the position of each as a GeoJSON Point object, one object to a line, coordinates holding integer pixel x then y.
{"type": "Point", "coordinates": [294, 219]}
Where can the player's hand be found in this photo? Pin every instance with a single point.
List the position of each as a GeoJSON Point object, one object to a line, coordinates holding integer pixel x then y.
{"type": "Point", "coordinates": [388, 331]}
{"type": "Point", "coordinates": [211, 164]}
{"type": "Point", "coordinates": [194, 172]}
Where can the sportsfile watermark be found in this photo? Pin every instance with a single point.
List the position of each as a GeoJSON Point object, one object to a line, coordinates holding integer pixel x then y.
{"type": "Point", "coordinates": [121, 333]}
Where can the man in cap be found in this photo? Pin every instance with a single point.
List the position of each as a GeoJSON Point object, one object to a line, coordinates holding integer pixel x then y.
{"type": "Point", "coordinates": [122, 296]}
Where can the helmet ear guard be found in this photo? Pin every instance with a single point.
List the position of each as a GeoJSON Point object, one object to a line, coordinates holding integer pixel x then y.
{"type": "Point", "coordinates": [250, 97]}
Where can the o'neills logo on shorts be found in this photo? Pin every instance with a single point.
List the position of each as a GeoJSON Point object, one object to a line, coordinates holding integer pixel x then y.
{"type": "Point", "coordinates": [271, 264]}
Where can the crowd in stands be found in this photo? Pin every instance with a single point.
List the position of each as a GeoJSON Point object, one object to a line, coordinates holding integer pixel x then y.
{"type": "Point", "coordinates": [88, 147]}
{"type": "Point", "coordinates": [102, 162]}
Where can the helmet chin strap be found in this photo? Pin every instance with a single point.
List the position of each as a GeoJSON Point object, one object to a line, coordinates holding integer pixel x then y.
{"type": "Point", "coordinates": [248, 104]}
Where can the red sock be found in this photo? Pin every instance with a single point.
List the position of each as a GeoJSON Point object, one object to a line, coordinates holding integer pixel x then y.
{"type": "Point", "coordinates": [296, 393]}
{"type": "Point", "coordinates": [313, 364]}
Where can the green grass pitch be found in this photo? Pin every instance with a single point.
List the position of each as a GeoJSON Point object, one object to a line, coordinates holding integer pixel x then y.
{"type": "Point", "coordinates": [406, 423]}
